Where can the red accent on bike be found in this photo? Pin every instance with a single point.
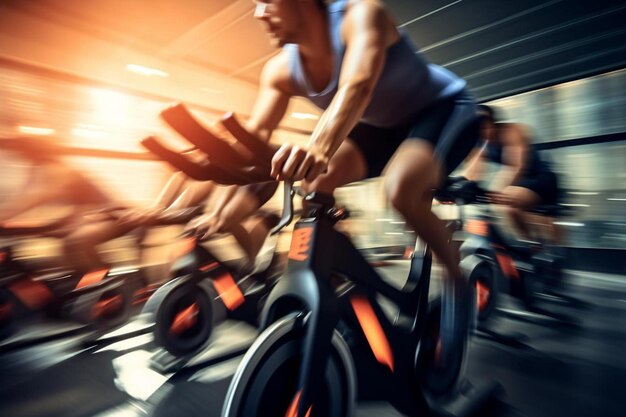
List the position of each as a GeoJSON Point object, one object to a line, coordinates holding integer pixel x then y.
{"type": "Point", "coordinates": [33, 294]}
{"type": "Point", "coordinates": [507, 265]}
{"type": "Point", "coordinates": [107, 306]}
{"type": "Point", "coordinates": [477, 227]}
{"type": "Point", "coordinates": [292, 411]}
{"type": "Point", "coordinates": [92, 278]}
{"type": "Point", "coordinates": [482, 295]}
{"type": "Point", "coordinates": [209, 266]}
{"type": "Point", "coordinates": [299, 250]}
{"type": "Point", "coordinates": [373, 330]}
{"type": "Point", "coordinates": [185, 319]}
{"type": "Point", "coordinates": [5, 310]}
{"type": "Point", "coordinates": [228, 291]}
{"type": "Point", "coordinates": [3, 257]}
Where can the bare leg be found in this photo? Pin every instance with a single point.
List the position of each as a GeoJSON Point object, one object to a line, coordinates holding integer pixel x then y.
{"type": "Point", "coordinates": [411, 175]}
{"type": "Point", "coordinates": [522, 199]}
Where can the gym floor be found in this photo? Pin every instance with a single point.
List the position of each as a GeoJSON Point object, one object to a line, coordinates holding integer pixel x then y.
{"type": "Point", "coordinates": [553, 369]}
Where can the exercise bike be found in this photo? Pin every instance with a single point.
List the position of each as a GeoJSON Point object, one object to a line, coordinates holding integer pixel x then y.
{"type": "Point", "coordinates": [323, 331]}
{"type": "Point", "coordinates": [97, 300]}
{"type": "Point", "coordinates": [530, 272]}
{"type": "Point", "coordinates": [205, 292]}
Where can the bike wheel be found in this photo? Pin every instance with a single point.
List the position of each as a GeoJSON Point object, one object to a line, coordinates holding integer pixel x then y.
{"type": "Point", "coordinates": [437, 381]}
{"type": "Point", "coordinates": [266, 381]}
{"type": "Point", "coordinates": [104, 308]}
{"type": "Point", "coordinates": [184, 320]}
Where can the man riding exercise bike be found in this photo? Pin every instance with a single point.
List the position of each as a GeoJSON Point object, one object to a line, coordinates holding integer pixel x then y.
{"type": "Point", "coordinates": [384, 105]}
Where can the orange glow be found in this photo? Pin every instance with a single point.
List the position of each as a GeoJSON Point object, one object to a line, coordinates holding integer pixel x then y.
{"type": "Point", "coordinates": [373, 330]}
{"type": "Point", "coordinates": [92, 278]}
{"type": "Point", "coordinates": [477, 227]}
{"type": "Point", "coordinates": [148, 72]}
{"type": "Point", "coordinates": [299, 250]}
{"type": "Point", "coordinates": [37, 131]}
{"type": "Point", "coordinates": [32, 294]}
{"type": "Point", "coordinates": [292, 411]}
{"type": "Point", "coordinates": [228, 291]}
{"type": "Point", "coordinates": [88, 132]}
{"type": "Point", "coordinates": [107, 306]}
{"type": "Point", "coordinates": [185, 319]}
{"type": "Point", "coordinates": [111, 108]}
{"type": "Point", "coordinates": [482, 295]}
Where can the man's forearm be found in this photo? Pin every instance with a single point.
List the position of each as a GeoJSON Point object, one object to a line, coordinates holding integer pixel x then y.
{"type": "Point", "coordinates": [340, 117]}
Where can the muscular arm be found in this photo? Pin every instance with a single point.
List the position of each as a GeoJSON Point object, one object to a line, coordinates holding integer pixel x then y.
{"type": "Point", "coordinates": [236, 203]}
{"type": "Point", "coordinates": [275, 90]}
{"type": "Point", "coordinates": [367, 33]}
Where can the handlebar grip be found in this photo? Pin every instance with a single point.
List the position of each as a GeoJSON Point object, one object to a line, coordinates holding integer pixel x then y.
{"type": "Point", "coordinates": [179, 118]}
{"type": "Point", "coordinates": [199, 172]}
{"type": "Point", "coordinates": [264, 150]}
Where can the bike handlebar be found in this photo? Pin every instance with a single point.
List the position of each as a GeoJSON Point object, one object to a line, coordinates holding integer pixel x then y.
{"type": "Point", "coordinates": [224, 163]}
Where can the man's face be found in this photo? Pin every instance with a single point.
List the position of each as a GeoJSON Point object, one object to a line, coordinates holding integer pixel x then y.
{"type": "Point", "coordinates": [281, 19]}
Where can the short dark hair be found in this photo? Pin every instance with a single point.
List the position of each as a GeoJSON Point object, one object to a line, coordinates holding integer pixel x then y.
{"type": "Point", "coordinates": [488, 113]}
{"type": "Point", "coordinates": [322, 3]}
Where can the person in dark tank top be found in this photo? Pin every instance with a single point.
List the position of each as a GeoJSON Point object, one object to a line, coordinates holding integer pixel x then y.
{"type": "Point", "coordinates": [384, 109]}
{"type": "Point", "coordinates": [523, 180]}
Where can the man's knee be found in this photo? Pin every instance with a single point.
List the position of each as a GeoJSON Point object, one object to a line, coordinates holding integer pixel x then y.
{"type": "Point", "coordinates": [406, 193]}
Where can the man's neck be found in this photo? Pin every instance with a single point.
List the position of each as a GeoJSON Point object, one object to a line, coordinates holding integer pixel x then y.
{"type": "Point", "coordinates": [316, 38]}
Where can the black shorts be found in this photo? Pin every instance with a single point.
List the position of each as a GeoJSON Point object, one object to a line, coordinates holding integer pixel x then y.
{"type": "Point", "coordinates": [544, 184]}
{"type": "Point", "coordinates": [450, 126]}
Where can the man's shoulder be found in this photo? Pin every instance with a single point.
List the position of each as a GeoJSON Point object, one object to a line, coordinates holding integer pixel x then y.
{"type": "Point", "coordinates": [276, 71]}
{"type": "Point", "coordinates": [514, 132]}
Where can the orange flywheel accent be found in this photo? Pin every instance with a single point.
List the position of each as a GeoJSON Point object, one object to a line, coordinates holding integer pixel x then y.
{"type": "Point", "coordinates": [292, 411]}
{"type": "Point", "coordinates": [373, 330]}
{"type": "Point", "coordinates": [482, 295]}
{"type": "Point", "coordinates": [33, 294]}
{"type": "Point", "coordinates": [185, 319]}
{"type": "Point", "coordinates": [507, 265]}
{"type": "Point", "coordinates": [228, 291]}
{"type": "Point", "coordinates": [91, 278]}
{"type": "Point", "coordinates": [107, 306]}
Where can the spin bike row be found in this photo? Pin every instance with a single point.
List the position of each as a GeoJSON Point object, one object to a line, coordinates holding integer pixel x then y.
{"type": "Point", "coordinates": [42, 303]}
{"type": "Point", "coordinates": [324, 309]}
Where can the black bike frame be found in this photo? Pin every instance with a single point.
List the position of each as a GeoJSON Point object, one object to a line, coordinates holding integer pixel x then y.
{"type": "Point", "coordinates": [317, 252]}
